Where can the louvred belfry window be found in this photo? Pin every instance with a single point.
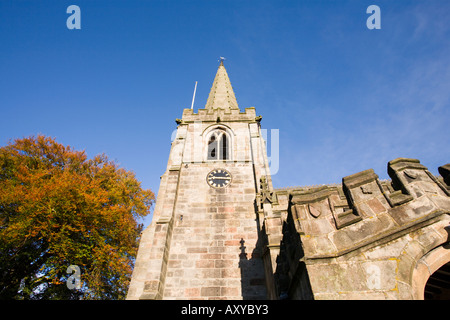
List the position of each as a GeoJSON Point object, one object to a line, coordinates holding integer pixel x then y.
{"type": "Point", "coordinates": [218, 146]}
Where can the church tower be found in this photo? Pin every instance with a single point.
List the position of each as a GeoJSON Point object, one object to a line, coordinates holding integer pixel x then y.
{"type": "Point", "coordinates": [204, 241]}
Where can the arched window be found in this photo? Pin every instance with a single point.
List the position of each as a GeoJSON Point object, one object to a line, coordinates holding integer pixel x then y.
{"type": "Point", "coordinates": [212, 147]}
{"type": "Point", "coordinates": [223, 146]}
{"type": "Point", "coordinates": [218, 146]}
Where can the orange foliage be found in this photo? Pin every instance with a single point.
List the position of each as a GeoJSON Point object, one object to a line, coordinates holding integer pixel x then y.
{"type": "Point", "coordinates": [58, 208]}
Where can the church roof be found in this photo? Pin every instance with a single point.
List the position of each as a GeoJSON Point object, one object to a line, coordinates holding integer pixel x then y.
{"type": "Point", "coordinates": [221, 95]}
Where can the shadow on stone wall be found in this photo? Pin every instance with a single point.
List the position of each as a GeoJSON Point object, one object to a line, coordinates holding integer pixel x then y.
{"type": "Point", "coordinates": [253, 284]}
{"type": "Point", "coordinates": [291, 274]}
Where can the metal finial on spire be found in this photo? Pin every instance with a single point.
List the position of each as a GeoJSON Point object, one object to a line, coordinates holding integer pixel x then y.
{"type": "Point", "coordinates": [221, 60]}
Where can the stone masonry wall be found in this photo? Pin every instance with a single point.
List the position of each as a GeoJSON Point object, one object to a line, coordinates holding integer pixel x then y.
{"type": "Point", "coordinates": [359, 241]}
{"type": "Point", "coordinates": [382, 272]}
{"type": "Point", "coordinates": [214, 252]}
{"type": "Point", "coordinates": [204, 242]}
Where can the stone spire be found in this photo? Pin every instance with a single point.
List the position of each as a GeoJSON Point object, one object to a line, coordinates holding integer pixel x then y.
{"type": "Point", "coordinates": [221, 95]}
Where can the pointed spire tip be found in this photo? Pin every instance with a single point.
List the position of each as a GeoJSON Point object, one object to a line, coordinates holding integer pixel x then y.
{"type": "Point", "coordinates": [221, 95]}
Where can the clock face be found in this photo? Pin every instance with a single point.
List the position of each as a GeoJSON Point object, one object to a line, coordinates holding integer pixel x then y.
{"type": "Point", "coordinates": [218, 178]}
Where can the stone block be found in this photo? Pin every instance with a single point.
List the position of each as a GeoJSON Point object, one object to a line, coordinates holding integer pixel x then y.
{"type": "Point", "coordinates": [317, 227]}
{"type": "Point", "coordinates": [359, 179]}
{"type": "Point", "coordinates": [210, 292]}
{"type": "Point", "coordinates": [230, 273]}
{"type": "Point", "coordinates": [376, 206]}
{"type": "Point", "coordinates": [197, 250]}
{"type": "Point", "coordinates": [405, 291]}
{"type": "Point", "coordinates": [225, 263]}
{"type": "Point", "coordinates": [323, 278]}
{"type": "Point", "coordinates": [406, 264]}
{"type": "Point", "coordinates": [310, 195]}
{"type": "Point", "coordinates": [392, 249]}
{"type": "Point", "coordinates": [412, 212]}
{"type": "Point", "coordinates": [380, 274]}
{"type": "Point", "coordinates": [345, 218]}
{"type": "Point", "coordinates": [204, 264]}
{"type": "Point", "coordinates": [192, 293]}
{"type": "Point", "coordinates": [230, 291]}
{"type": "Point", "coordinates": [210, 273]}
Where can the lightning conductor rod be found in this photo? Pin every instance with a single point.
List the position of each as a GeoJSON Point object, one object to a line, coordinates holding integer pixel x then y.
{"type": "Point", "coordinates": [193, 97]}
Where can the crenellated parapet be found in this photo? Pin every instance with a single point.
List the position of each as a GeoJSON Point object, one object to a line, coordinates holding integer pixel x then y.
{"type": "Point", "coordinates": [335, 220]}
{"type": "Point", "coordinates": [363, 213]}
{"type": "Point", "coordinates": [219, 115]}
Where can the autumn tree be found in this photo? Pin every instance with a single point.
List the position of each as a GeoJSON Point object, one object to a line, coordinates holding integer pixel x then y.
{"type": "Point", "coordinates": [59, 208]}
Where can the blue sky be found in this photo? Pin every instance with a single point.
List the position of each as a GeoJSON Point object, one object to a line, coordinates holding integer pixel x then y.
{"type": "Point", "coordinates": [344, 98]}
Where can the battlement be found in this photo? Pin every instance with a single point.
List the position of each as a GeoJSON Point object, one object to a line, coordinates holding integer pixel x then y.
{"type": "Point", "coordinates": [219, 115]}
{"type": "Point", "coordinates": [333, 221]}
